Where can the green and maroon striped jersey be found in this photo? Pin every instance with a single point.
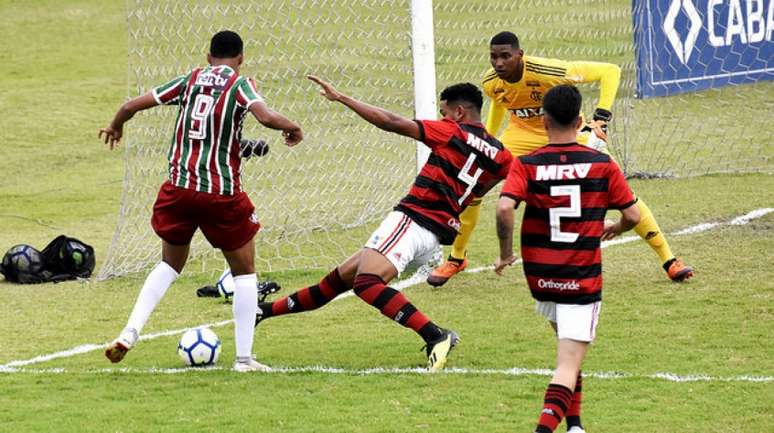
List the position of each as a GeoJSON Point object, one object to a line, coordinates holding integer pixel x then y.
{"type": "Point", "coordinates": [204, 154]}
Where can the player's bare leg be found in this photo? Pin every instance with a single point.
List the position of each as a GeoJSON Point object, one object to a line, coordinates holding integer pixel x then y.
{"type": "Point", "coordinates": [173, 258]}
{"type": "Point", "coordinates": [559, 394]}
{"type": "Point", "coordinates": [373, 273]}
{"type": "Point", "coordinates": [245, 305]}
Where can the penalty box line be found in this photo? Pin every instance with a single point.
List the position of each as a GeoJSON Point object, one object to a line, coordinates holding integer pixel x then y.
{"type": "Point", "coordinates": [417, 278]}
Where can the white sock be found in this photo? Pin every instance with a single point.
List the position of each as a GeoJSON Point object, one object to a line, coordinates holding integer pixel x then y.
{"type": "Point", "coordinates": [245, 306]}
{"type": "Point", "coordinates": [156, 285]}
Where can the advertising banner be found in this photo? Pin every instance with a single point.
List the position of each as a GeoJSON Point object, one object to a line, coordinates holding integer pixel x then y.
{"type": "Point", "coordinates": [691, 45]}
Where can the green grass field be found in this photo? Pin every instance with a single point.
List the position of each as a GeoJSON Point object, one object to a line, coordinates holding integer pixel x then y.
{"type": "Point", "coordinates": [64, 74]}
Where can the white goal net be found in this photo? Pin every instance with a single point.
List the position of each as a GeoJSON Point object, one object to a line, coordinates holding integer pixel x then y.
{"type": "Point", "coordinates": [319, 200]}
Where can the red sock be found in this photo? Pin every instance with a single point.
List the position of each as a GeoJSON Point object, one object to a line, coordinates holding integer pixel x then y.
{"type": "Point", "coordinates": [390, 302]}
{"type": "Point", "coordinates": [555, 404]}
{"type": "Point", "coordinates": [308, 298]}
{"type": "Point", "coordinates": [574, 412]}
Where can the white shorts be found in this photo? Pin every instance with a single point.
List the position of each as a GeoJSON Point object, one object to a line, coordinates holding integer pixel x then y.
{"type": "Point", "coordinates": [403, 242]}
{"type": "Point", "coordinates": [573, 321]}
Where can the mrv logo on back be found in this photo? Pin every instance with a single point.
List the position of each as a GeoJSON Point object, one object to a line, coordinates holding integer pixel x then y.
{"type": "Point", "coordinates": [559, 172]}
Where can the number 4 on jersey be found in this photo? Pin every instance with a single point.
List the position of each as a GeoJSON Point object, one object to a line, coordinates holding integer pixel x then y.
{"type": "Point", "coordinates": [466, 177]}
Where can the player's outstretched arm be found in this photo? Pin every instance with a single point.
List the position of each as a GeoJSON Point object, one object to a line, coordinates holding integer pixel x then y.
{"type": "Point", "coordinates": [607, 74]}
{"type": "Point", "coordinates": [505, 218]}
{"type": "Point", "coordinates": [271, 119]}
{"type": "Point", "coordinates": [115, 130]}
{"type": "Point", "coordinates": [378, 117]}
{"type": "Point", "coordinates": [494, 117]}
{"type": "Point", "coordinates": [630, 217]}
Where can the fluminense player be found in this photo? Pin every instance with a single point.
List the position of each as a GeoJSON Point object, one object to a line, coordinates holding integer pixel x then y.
{"type": "Point", "coordinates": [465, 162]}
{"type": "Point", "coordinates": [203, 189]}
{"type": "Point", "coordinates": [517, 83]}
{"type": "Point", "coordinates": [567, 189]}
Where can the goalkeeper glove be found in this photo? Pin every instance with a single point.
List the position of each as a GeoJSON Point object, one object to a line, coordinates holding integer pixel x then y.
{"type": "Point", "coordinates": [598, 126]}
{"type": "Point", "coordinates": [602, 114]}
{"type": "Point", "coordinates": [250, 148]}
{"type": "Point", "coordinates": [599, 123]}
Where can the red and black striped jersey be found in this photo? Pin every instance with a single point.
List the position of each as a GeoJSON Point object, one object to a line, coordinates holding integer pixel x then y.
{"type": "Point", "coordinates": [465, 162]}
{"type": "Point", "coordinates": [204, 154]}
{"type": "Point", "coordinates": [568, 189]}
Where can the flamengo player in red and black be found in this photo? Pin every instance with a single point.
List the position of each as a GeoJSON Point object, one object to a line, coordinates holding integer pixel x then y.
{"type": "Point", "coordinates": [568, 189]}
{"type": "Point", "coordinates": [465, 162]}
{"type": "Point", "coordinates": [203, 189]}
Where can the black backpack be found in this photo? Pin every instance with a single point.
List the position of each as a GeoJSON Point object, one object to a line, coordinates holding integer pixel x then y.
{"type": "Point", "coordinates": [64, 258]}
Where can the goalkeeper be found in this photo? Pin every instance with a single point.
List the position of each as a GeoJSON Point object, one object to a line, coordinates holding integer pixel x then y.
{"type": "Point", "coordinates": [517, 83]}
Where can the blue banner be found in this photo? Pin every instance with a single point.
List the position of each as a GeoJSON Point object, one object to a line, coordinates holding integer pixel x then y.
{"type": "Point", "coordinates": [690, 45]}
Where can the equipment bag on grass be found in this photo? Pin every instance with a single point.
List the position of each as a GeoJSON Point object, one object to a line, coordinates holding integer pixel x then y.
{"type": "Point", "coordinates": [64, 258]}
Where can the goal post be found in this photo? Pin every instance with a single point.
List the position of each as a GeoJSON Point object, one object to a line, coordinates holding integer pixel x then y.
{"type": "Point", "coordinates": [318, 201]}
{"type": "Point", "coordinates": [423, 56]}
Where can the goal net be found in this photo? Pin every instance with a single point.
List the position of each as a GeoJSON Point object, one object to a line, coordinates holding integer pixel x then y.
{"type": "Point", "coordinates": [318, 201]}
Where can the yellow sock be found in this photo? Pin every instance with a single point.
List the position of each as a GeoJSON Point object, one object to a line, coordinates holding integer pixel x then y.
{"type": "Point", "coordinates": [650, 232]}
{"type": "Point", "coordinates": [468, 220]}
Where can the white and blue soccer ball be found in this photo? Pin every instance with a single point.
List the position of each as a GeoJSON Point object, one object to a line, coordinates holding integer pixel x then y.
{"type": "Point", "coordinates": [199, 347]}
{"type": "Point", "coordinates": [225, 284]}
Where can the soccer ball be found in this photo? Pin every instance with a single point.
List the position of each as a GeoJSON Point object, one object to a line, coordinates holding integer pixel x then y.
{"type": "Point", "coordinates": [198, 347]}
{"type": "Point", "coordinates": [23, 258]}
{"type": "Point", "coordinates": [225, 284]}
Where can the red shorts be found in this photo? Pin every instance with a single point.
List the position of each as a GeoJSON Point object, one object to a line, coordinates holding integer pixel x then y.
{"type": "Point", "coordinates": [227, 221]}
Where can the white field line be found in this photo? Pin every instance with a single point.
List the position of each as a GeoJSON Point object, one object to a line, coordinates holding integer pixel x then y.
{"type": "Point", "coordinates": [417, 278]}
{"type": "Point", "coordinates": [543, 372]}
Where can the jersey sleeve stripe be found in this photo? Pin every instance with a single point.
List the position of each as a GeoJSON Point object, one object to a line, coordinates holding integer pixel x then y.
{"type": "Point", "coordinates": [551, 74]}
{"type": "Point", "coordinates": [249, 92]}
{"type": "Point", "coordinates": [546, 69]}
{"type": "Point", "coordinates": [556, 69]}
{"type": "Point", "coordinates": [624, 206]}
{"type": "Point", "coordinates": [168, 94]}
{"type": "Point", "coordinates": [156, 97]}
{"type": "Point", "coordinates": [421, 130]}
{"type": "Point", "coordinates": [512, 196]}
{"type": "Point", "coordinates": [490, 77]}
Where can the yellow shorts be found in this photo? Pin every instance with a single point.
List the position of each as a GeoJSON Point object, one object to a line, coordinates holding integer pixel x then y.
{"type": "Point", "coordinates": [520, 143]}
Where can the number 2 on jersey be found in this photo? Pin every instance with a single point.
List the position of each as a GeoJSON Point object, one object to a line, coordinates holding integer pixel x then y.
{"type": "Point", "coordinates": [465, 176]}
{"type": "Point", "coordinates": [199, 114]}
{"type": "Point", "coordinates": [555, 214]}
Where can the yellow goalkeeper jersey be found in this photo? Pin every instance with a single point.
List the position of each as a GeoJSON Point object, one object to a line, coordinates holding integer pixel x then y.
{"type": "Point", "coordinates": [524, 98]}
